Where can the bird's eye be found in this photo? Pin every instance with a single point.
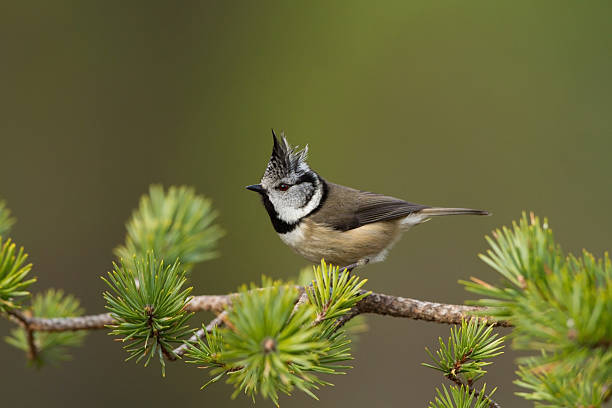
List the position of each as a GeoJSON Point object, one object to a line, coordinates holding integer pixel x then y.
{"type": "Point", "coordinates": [283, 187]}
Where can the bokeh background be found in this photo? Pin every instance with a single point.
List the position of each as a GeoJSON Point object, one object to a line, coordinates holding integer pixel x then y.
{"type": "Point", "coordinates": [498, 105]}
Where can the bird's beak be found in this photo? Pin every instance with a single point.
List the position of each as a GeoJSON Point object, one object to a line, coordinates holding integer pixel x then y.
{"type": "Point", "coordinates": [256, 187]}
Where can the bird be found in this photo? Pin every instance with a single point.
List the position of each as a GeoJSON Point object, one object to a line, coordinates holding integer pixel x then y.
{"type": "Point", "coordinates": [322, 220]}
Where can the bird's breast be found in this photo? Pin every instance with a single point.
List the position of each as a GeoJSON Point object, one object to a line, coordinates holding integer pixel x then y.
{"type": "Point", "coordinates": [294, 237]}
{"type": "Point", "coordinates": [314, 241]}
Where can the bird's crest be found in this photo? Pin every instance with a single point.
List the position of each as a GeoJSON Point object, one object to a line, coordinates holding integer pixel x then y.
{"type": "Point", "coordinates": [285, 159]}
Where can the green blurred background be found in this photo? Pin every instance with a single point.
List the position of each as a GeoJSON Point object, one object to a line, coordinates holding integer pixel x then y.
{"type": "Point", "coordinates": [503, 106]}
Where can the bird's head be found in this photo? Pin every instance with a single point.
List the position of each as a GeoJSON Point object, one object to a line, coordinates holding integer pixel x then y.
{"type": "Point", "coordinates": [289, 187]}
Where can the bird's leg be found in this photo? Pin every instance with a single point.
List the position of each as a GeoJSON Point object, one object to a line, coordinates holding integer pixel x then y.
{"type": "Point", "coordinates": [349, 268]}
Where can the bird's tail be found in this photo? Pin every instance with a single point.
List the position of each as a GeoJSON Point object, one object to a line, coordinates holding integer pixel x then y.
{"type": "Point", "coordinates": [435, 211]}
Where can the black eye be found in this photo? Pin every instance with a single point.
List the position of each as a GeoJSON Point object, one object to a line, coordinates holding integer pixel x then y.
{"type": "Point", "coordinates": [283, 187]}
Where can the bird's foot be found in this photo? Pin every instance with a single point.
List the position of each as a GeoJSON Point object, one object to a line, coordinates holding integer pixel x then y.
{"type": "Point", "coordinates": [358, 264]}
{"type": "Point", "coordinates": [363, 262]}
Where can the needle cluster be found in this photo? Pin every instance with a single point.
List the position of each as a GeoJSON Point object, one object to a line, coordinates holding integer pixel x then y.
{"type": "Point", "coordinates": [176, 225]}
{"type": "Point", "coordinates": [462, 360]}
{"type": "Point", "coordinates": [13, 273]}
{"type": "Point", "coordinates": [270, 345]}
{"type": "Point", "coordinates": [560, 305]}
{"type": "Point", "coordinates": [6, 221]}
{"type": "Point", "coordinates": [149, 304]}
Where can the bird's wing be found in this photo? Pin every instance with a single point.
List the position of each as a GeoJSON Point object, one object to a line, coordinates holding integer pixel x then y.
{"type": "Point", "coordinates": [376, 207]}
{"type": "Point", "coordinates": [347, 208]}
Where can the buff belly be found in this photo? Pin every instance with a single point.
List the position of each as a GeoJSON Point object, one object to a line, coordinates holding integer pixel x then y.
{"type": "Point", "coordinates": [316, 241]}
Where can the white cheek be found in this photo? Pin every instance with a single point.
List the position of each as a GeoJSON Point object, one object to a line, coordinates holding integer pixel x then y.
{"type": "Point", "coordinates": [292, 215]}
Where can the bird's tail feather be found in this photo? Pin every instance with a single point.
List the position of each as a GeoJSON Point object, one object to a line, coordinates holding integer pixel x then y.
{"type": "Point", "coordinates": [435, 211]}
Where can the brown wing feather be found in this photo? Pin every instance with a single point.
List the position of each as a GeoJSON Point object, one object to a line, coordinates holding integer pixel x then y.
{"type": "Point", "coordinates": [347, 208]}
{"type": "Point", "coordinates": [376, 207]}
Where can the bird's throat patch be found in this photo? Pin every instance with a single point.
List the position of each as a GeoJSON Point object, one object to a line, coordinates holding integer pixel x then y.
{"type": "Point", "coordinates": [279, 225]}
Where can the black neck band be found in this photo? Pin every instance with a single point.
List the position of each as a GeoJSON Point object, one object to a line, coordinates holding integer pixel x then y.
{"type": "Point", "coordinates": [279, 225]}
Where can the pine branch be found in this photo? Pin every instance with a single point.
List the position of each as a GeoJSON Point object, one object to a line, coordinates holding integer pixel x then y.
{"type": "Point", "coordinates": [46, 347]}
{"type": "Point", "coordinates": [60, 324]}
{"type": "Point", "coordinates": [22, 320]}
{"type": "Point", "coordinates": [374, 303]}
{"type": "Point", "coordinates": [200, 334]}
{"type": "Point", "coordinates": [378, 303]}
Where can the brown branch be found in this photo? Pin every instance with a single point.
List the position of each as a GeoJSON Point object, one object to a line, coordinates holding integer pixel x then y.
{"type": "Point", "coordinates": [23, 320]}
{"type": "Point", "coordinates": [378, 303]}
{"type": "Point", "coordinates": [200, 334]}
{"type": "Point", "coordinates": [32, 349]}
{"type": "Point", "coordinates": [59, 324]}
{"type": "Point", "coordinates": [214, 303]}
{"type": "Point", "coordinates": [374, 303]}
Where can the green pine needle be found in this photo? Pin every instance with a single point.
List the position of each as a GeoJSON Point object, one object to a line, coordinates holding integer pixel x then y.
{"type": "Point", "coordinates": [270, 347]}
{"type": "Point", "coordinates": [333, 293]}
{"type": "Point", "coordinates": [461, 397]}
{"type": "Point", "coordinates": [560, 306]}
{"type": "Point", "coordinates": [176, 225]}
{"type": "Point", "coordinates": [51, 347]}
{"type": "Point", "coordinates": [13, 271]}
{"type": "Point", "coordinates": [357, 325]}
{"type": "Point", "coordinates": [149, 304]}
{"type": "Point", "coordinates": [570, 383]}
{"type": "Point", "coordinates": [467, 351]}
{"type": "Point", "coordinates": [208, 353]}
{"type": "Point", "coordinates": [6, 221]}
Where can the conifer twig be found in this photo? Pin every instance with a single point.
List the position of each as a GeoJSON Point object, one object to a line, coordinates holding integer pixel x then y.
{"type": "Point", "coordinates": [378, 303]}
{"type": "Point", "coordinates": [200, 334]}
{"type": "Point", "coordinates": [374, 303]}
{"type": "Point", "coordinates": [23, 320]}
